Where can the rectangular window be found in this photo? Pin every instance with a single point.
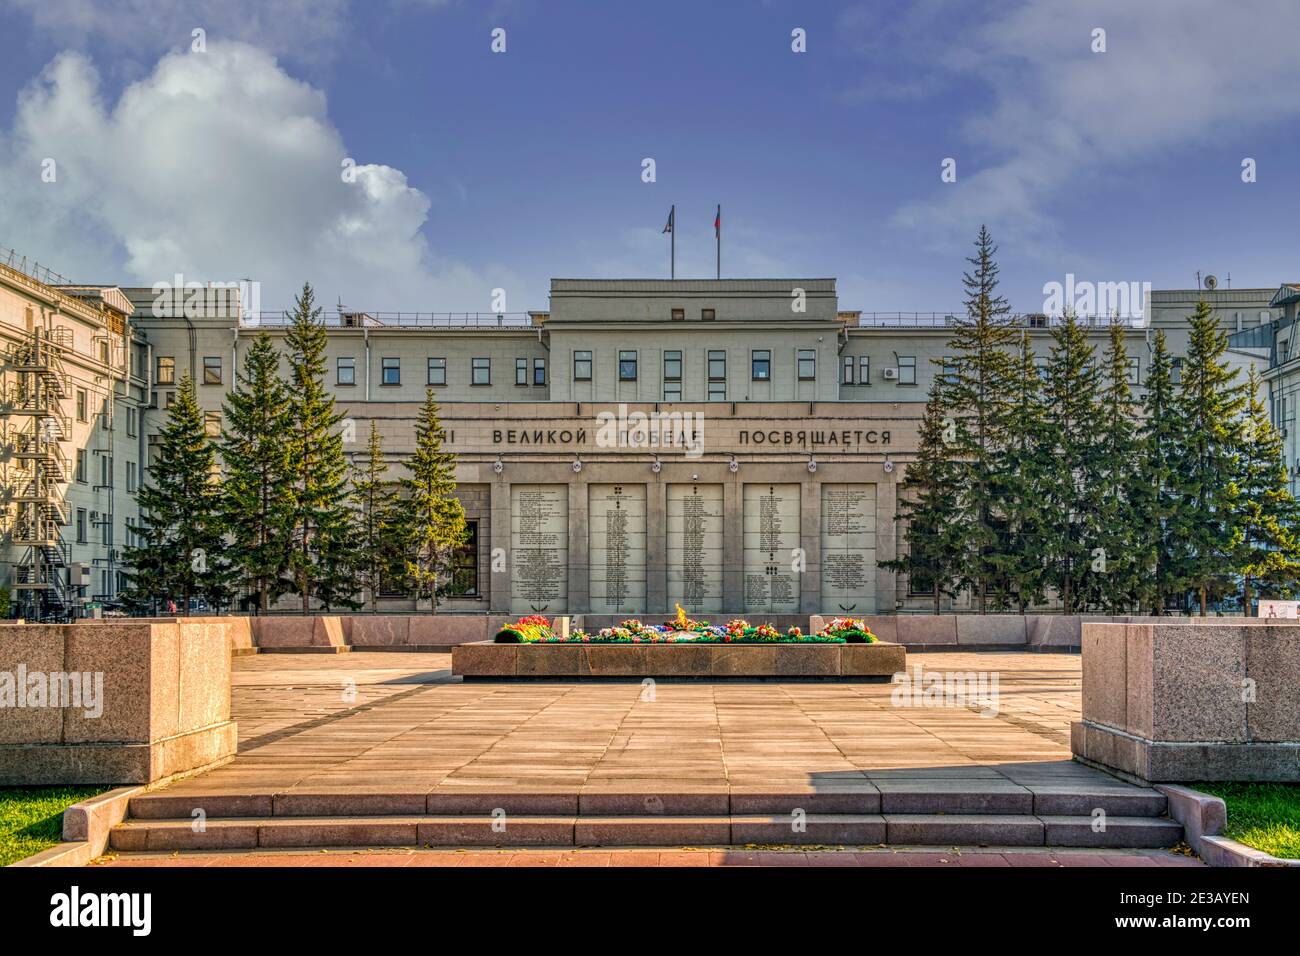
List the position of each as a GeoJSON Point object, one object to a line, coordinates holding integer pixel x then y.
{"type": "Point", "coordinates": [627, 366]}
{"type": "Point", "coordinates": [1135, 371]}
{"type": "Point", "coordinates": [81, 526]}
{"type": "Point", "coordinates": [81, 405]}
{"type": "Point", "coordinates": [390, 371]}
{"type": "Point", "coordinates": [760, 362]}
{"type": "Point", "coordinates": [106, 534]}
{"type": "Point", "coordinates": [949, 370]}
{"type": "Point", "coordinates": [521, 371]}
{"type": "Point", "coordinates": [105, 415]}
{"type": "Point", "coordinates": [212, 370]}
{"type": "Point", "coordinates": [130, 477]}
{"type": "Point", "coordinates": [672, 375]}
{"type": "Point", "coordinates": [132, 420]}
{"type": "Point", "coordinates": [464, 564]}
{"type": "Point", "coordinates": [166, 370]}
{"type": "Point", "coordinates": [1176, 372]}
{"type": "Point", "coordinates": [582, 366]}
{"type": "Point", "coordinates": [864, 370]}
{"type": "Point", "coordinates": [106, 471]}
{"type": "Point", "coordinates": [212, 424]}
{"type": "Point", "coordinates": [708, 315]}
{"type": "Point", "coordinates": [848, 370]}
{"type": "Point", "coordinates": [907, 370]}
{"type": "Point", "coordinates": [437, 371]}
{"type": "Point", "coordinates": [81, 465]}
{"type": "Point", "coordinates": [807, 365]}
{"type": "Point", "coordinates": [539, 371]}
{"type": "Point", "coordinates": [345, 371]}
{"type": "Point", "coordinates": [480, 371]}
{"type": "Point", "coordinates": [717, 375]}
{"type": "Point", "coordinates": [679, 315]}
{"type": "Point", "coordinates": [131, 541]}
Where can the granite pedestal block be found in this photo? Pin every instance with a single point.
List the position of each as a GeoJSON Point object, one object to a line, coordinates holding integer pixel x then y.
{"type": "Point", "coordinates": [1186, 702]}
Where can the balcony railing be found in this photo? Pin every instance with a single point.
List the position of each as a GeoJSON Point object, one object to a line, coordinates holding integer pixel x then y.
{"type": "Point", "coordinates": [1026, 320]}
{"type": "Point", "coordinates": [400, 320]}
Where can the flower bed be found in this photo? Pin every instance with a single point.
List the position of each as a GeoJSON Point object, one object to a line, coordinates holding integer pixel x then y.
{"type": "Point", "coordinates": [536, 629]}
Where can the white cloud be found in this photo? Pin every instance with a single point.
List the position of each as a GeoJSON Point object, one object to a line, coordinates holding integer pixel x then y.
{"type": "Point", "coordinates": [220, 166]}
{"type": "Point", "coordinates": [1175, 75]}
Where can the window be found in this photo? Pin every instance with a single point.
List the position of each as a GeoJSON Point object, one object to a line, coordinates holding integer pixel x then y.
{"type": "Point", "coordinates": [130, 477]}
{"type": "Point", "coordinates": [132, 420]}
{"type": "Point", "coordinates": [345, 371]}
{"type": "Point", "coordinates": [212, 424]}
{"type": "Point", "coordinates": [106, 534]}
{"type": "Point", "coordinates": [81, 526]}
{"type": "Point", "coordinates": [1176, 372]}
{"type": "Point", "coordinates": [81, 465]}
{"type": "Point", "coordinates": [760, 364]}
{"type": "Point", "coordinates": [166, 370]}
{"type": "Point", "coordinates": [480, 371]}
{"type": "Point", "coordinates": [582, 366]}
{"type": "Point", "coordinates": [717, 375]}
{"type": "Point", "coordinates": [437, 371]}
{"type": "Point", "coordinates": [949, 370]}
{"type": "Point", "coordinates": [708, 315]}
{"type": "Point", "coordinates": [679, 315]}
{"type": "Point", "coordinates": [807, 365]}
{"type": "Point", "coordinates": [106, 415]}
{"type": "Point", "coordinates": [106, 471]}
{"type": "Point", "coordinates": [169, 399]}
{"type": "Point", "coordinates": [103, 351]}
{"type": "Point", "coordinates": [864, 370]}
{"type": "Point", "coordinates": [1135, 371]}
{"type": "Point", "coordinates": [521, 371]}
{"type": "Point", "coordinates": [131, 539]}
{"type": "Point", "coordinates": [907, 370]}
{"type": "Point", "coordinates": [464, 564]}
{"type": "Point", "coordinates": [390, 371]}
{"type": "Point", "coordinates": [81, 405]}
{"type": "Point", "coordinates": [848, 370]}
{"type": "Point", "coordinates": [672, 375]}
{"type": "Point", "coordinates": [539, 371]}
{"type": "Point", "coordinates": [212, 370]}
{"type": "Point", "coordinates": [627, 366]}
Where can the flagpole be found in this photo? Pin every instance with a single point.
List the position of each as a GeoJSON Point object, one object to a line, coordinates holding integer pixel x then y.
{"type": "Point", "coordinates": [672, 243]}
{"type": "Point", "coordinates": [718, 231]}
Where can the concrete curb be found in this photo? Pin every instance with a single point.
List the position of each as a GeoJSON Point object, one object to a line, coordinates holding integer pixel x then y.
{"type": "Point", "coordinates": [86, 826]}
{"type": "Point", "coordinates": [1203, 817]}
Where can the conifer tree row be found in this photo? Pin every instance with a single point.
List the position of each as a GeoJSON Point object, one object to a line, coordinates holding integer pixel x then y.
{"type": "Point", "coordinates": [1055, 485]}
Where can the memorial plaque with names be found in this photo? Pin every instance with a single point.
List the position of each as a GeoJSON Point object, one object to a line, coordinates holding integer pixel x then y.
{"type": "Point", "coordinates": [848, 524]}
{"type": "Point", "coordinates": [616, 518]}
{"type": "Point", "coordinates": [539, 545]}
{"type": "Point", "coordinates": [694, 542]}
{"type": "Point", "coordinates": [771, 543]}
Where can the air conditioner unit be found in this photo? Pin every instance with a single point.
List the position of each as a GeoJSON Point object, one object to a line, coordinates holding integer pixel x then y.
{"type": "Point", "coordinates": [891, 374]}
{"type": "Point", "coordinates": [94, 516]}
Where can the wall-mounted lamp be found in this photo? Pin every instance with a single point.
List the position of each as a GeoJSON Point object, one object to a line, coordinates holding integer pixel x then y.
{"type": "Point", "coordinates": [498, 466]}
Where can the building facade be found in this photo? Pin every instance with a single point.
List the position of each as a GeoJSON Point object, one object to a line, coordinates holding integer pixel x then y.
{"type": "Point", "coordinates": [733, 446]}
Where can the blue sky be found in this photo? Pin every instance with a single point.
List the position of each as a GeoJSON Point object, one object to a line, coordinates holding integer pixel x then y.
{"type": "Point", "coordinates": [479, 171]}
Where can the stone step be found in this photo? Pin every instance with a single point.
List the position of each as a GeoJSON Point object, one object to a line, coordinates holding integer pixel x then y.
{"type": "Point", "coordinates": [227, 833]}
{"type": "Point", "coordinates": [900, 797]}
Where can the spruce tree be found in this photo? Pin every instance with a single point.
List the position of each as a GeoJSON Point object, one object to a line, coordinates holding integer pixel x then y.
{"type": "Point", "coordinates": [1070, 487]}
{"type": "Point", "coordinates": [181, 554]}
{"type": "Point", "coordinates": [979, 388]}
{"type": "Point", "coordinates": [1209, 403]}
{"type": "Point", "coordinates": [378, 520]}
{"type": "Point", "coordinates": [1157, 490]}
{"type": "Point", "coordinates": [1115, 590]}
{"type": "Point", "coordinates": [323, 556]}
{"type": "Point", "coordinates": [1266, 550]}
{"type": "Point", "coordinates": [435, 519]}
{"type": "Point", "coordinates": [259, 488]}
{"type": "Point", "coordinates": [927, 505]}
{"type": "Point", "coordinates": [1024, 468]}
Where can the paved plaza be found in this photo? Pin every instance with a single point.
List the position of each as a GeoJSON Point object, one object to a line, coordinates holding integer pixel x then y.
{"type": "Point", "coordinates": [388, 721]}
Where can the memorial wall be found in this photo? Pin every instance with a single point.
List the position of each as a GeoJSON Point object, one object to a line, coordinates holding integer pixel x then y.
{"type": "Point", "coordinates": [774, 558]}
{"type": "Point", "coordinates": [694, 515]}
{"type": "Point", "coordinates": [848, 548]}
{"type": "Point", "coordinates": [539, 538]}
{"type": "Point", "coordinates": [616, 521]}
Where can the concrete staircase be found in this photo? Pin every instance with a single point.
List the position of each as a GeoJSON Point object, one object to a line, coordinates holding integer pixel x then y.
{"type": "Point", "coordinates": [911, 813]}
